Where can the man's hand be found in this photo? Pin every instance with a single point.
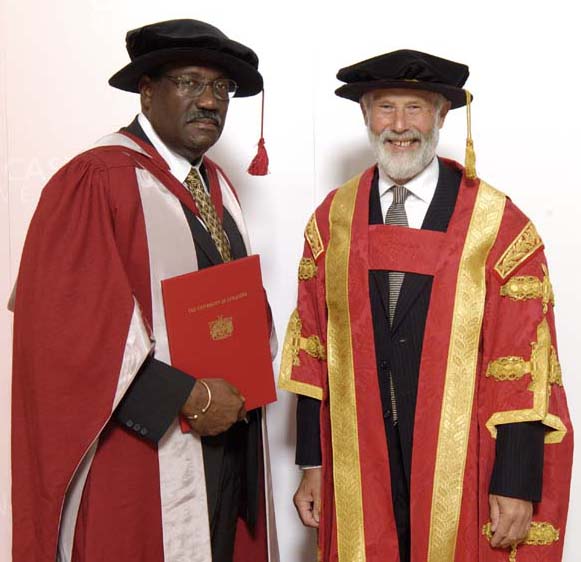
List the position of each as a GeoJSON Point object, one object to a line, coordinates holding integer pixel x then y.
{"type": "Point", "coordinates": [307, 498]}
{"type": "Point", "coordinates": [510, 520]}
{"type": "Point", "coordinates": [227, 407]}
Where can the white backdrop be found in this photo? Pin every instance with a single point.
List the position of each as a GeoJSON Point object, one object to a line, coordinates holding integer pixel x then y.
{"type": "Point", "coordinates": [56, 57]}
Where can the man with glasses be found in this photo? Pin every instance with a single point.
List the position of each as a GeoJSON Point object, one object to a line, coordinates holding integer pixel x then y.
{"type": "Point", "coordinates": [101, 468]}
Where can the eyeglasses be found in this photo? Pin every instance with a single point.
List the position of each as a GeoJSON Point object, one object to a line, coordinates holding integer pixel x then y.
{"type": "Point", "coordinates": [222, 88]}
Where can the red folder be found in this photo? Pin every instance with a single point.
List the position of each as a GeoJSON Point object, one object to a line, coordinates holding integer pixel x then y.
{"type": "Point", "coordinates": [217, 327]}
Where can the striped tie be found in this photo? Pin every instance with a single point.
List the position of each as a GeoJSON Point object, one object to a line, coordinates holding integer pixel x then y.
{"type": "Point", "coordinates": [396, 216]}
{"type": "Point", "coordinates": [208, 213]}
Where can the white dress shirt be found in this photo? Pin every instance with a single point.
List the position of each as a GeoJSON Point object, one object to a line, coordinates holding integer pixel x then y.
{"type": "Point", "coordinates": [421, 188]}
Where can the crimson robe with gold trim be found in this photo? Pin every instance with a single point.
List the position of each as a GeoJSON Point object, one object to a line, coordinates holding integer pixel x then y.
{"type": "Point", "coordinates": [490, 351]}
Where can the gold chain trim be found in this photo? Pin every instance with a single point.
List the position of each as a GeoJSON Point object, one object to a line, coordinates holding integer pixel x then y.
{"type": "Point", "coordinates": [523, 246]}
{"type": "Point", "coordinates": [313, 237]}
{"type": "Point", "coordinates": [307, 269]}
{"type": "Point", "coordinates": [545, 370]}
{"type": "Point", "coordinates": [508, 368]}
{"type": "Point", "coordinates": [540, 533]}
{"type": "Point", "coordinates": [529, 287]}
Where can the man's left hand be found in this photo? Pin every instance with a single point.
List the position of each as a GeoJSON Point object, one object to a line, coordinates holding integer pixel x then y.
{"type": "Point", "coordinates": [510, 520]}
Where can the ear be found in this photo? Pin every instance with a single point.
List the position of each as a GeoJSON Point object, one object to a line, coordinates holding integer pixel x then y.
{"type": "Point", "coordinates": [443, 112]}
{"type": "Point", "coordinates": [146, 87]}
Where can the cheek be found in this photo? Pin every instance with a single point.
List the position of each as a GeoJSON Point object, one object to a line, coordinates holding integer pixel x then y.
{"type": "Point", "coordinates": [223, 111]}
{"type": "Point", "coordinates": [164, 112]}
{"type": "Point", "coordinates": [425, 123]}
{"type": "Point", "coordinates": [379, 122]}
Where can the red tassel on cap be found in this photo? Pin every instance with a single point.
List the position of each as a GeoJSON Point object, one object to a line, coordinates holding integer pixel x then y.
{"type": "Point", "coordinates": [259, 164]}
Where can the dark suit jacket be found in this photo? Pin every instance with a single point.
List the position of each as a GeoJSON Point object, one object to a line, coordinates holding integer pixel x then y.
{"type": "Point", "coordinates": [398, 351]}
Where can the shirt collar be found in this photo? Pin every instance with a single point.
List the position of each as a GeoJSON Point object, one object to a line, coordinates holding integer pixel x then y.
{"type": "Point", "coordinates": [178, 165]}
{"type": "Point", "coordinates": [422, 186]}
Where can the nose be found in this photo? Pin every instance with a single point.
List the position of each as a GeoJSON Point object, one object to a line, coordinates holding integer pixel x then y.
{"type": "Point", "coordinates": [400, 121]}
{"type": "Point", "coordinates": [206, 99]}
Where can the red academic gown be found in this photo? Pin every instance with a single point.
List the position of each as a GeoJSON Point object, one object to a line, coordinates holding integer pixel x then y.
{"type": "Point", "coordinates": [489, 358]}
{"type": "Point", "coordinates": [88, 312]}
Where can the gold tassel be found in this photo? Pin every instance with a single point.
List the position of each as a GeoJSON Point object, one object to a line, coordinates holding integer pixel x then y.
{"type": "Point", "coordinates": [470, 158]}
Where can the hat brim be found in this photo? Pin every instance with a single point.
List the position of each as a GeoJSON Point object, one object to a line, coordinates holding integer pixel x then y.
{"type": "Point", "coordinates": [354, 91]}
{"type": "Point", "coordinates": [247, 77]}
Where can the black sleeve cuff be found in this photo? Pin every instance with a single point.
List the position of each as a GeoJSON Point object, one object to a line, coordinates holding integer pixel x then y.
{"type": "Point", "coordinates": [154, 399]}
{"type": "Point", "coordinates": [308, 432]}
{"type": "Point", "coordinates": [518, 468]}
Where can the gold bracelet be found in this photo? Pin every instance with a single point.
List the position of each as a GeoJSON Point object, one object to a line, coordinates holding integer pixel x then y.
{"type": "Point", "coordinates": [208, 404]}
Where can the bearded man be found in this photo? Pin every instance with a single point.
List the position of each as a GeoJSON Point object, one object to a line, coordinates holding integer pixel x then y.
{"type": "Point", "coordinates": [432, 422]}
{"type": "Point", "coordinates": [100, 467]}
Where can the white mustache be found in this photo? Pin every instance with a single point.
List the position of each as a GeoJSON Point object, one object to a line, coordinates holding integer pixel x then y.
{"type": "Point", "coordinates": [388, 135]}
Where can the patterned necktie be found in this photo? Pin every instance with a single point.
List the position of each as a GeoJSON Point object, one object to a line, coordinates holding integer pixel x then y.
{"type": "Point", "coordinates": [208, 213]}
{"type": "Point", "coordinates": [396, 215]}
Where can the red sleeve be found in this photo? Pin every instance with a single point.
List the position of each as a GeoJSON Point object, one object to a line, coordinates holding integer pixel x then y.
{"type": "Point", "coordinates": [520, 379]}
{"type": "Point", "coordinates": [304, 357]}
{"type": "Point", "coordinates": [78, 338]}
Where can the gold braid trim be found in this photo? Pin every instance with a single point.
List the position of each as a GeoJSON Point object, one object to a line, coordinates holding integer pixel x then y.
{"type": "Point", "coordinates": [545, 370]}
{"type": "Point", "coordinates": [529, 287]}
{"type": "Point", "coordinates": [313, 237]}
{"type": "Point", "coordinates": [461, 372]}
{"type": "Point", "coordinates": [555, 374]}
{"type": "Point", "coordinates": [523, 246]}
{"type": "Point", "coordinates": [347, 480]}
{"type": "Point", "coordinates": [293, 344]}
{"type": "Point", "coordinates": [540, 533]}
{"type": "Point", "coordinates": [307, 269]}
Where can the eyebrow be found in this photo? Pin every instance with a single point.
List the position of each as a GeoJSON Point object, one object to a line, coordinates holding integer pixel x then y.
{"type": "Point", "coordinates": [414, 101]}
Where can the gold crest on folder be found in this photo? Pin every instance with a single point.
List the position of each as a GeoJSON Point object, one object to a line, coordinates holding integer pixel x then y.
{"type": "Point", "coordinates": [221, 328]}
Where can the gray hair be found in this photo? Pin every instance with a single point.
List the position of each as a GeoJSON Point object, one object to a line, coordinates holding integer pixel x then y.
{"type": "Point", "coordinates": [438, 99]}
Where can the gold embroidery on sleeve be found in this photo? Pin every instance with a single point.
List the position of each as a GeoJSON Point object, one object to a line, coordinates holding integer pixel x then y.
{"type": "Point", "coordinates": [514, 368]}
{"type": "Point", "coordinates": [530, 287]}
{"type": "Point", "coordinates": [544, 370]}
{"type": "Point", "coordinates": [307, 269]}
{"type": "Point", "coordinates": [508, 368]}
{"type": "Point", "coordinates": [311, 345]}
{"type": "Point", "coordinates": [293, 343]}
{"type": "Point", "coordinates": [540, 533]}
{"type": "Point", "coordinates": [524, 245]}
{"type": "Point", "coordinates": [555, 375]}
{"type": "Point", "coordinates": [313, 237]}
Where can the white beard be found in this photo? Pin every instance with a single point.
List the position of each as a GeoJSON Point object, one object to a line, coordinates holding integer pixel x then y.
{"type": "Point", "coordinates": [406, 165]}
